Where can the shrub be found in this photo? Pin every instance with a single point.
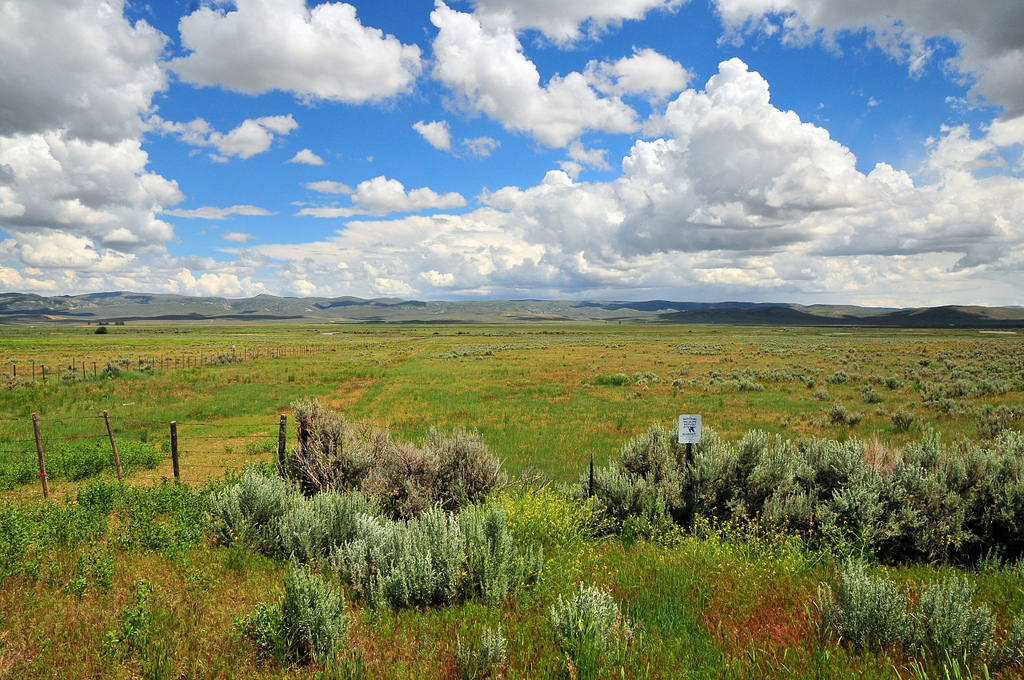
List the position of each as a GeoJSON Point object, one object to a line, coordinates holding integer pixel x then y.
{"type": "Point", "coordinates": [312, 615]}
{"type": "Point", "coordinates": [903, 420]}
{"type": "Point", "coordinates": [611, 379]}
{"type": "Point", "coordinates": [265, 628]}
{"type": "Point", "coordinates": [406, 480]}
{"type": "Point", "coordinates": [135, 627]}
{"type": "Point", "coordinates": [870, 395]}
{"type": "Point", "coordinates": [1012, 652]}
{"type": "Point", "coordinates": [494, 565]}
{"type": "Point", "coordinates": [247, 512]}
{"type": "Point", "coordinates": [415, 563]}
{"type": "Point", "coordinates": [482, 658]}
{"type": "Point", "coordinates": [821, 394]}
{"type": "Point", "coordinates": [467, 471]}
{"type": "Point", "coordinates": [992, 420]}
{"type": "Point", "coordinates": [588, 627]}
{"type": "Point", "coordinates": [867, 612]}
{"type": "Point", "coordinates": [840, 415]}
{"type": "Point", "coordinates": [313, 527]}
{"type": "Point", "coordinates": [838, 378]}
{"type": "Point", "coordinates": [950, 623]}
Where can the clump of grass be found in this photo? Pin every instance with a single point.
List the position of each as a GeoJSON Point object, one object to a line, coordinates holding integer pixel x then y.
{"type": "Point", "coordinates": [616, 379]}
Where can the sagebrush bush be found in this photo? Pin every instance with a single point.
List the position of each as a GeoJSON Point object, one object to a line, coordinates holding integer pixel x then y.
{"type": "Point", "coordinates": [247, 512]}
{"type": "Point", "coordinates": [305, 625]}
{"type": "Point", "coordinates": [432, 559]}
{"type": "Point", "coordinates": [312, 615]}
{"type": "Point", "coordinates": [481, 658]}
{"type": "Point", "coordinates": [402, 564]}
{"type": "Point", "coordinates": [927, 502]}
{"type": "Point", "coordinates": [949, 621]}
{"type": "Point", "coordinates": [495, 566]}
{"type": "Point", "coordinates": [314, 527]}
{"type": "Point", "coordinates": [588, 627]}
{"type": "Point", "coordinates": [1012, 652]}
{"type": "Point", "coordinates": [333, 454]}
{"type": "Point", "coordinates": [867, 612]}
{"type": "Point", "coordinates": [467, 471]}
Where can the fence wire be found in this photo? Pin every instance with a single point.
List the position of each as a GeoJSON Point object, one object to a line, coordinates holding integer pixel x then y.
{"type": "Point", "coordinates": [202, 452]}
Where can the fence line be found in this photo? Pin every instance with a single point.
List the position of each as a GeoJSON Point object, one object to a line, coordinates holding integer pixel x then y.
{"type": "Point", "coordinates": [41, 442]}
{"type": "Point", "coordinates": [78, 369]}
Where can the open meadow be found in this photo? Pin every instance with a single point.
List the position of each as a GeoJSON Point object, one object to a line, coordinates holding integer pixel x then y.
{"type": "Point", "coordinates": [839, 468]}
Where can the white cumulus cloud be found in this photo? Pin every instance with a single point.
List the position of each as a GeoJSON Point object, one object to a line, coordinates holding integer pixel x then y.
{"type": "Point", "coordinates": [323, 53]}
{"type": "Point", "coordinates": [991, 41]}
{"type": "Point", "coordinates": [77, 66]}
{"type": "Point", "coordinates": [487, 70]}
{"type": "Point", "coordinates": [253, 136]}
{"type": "Point", "coordinates": [306, 157]}
{"type": "Point", "coordinates": [646, 72]}
{"type": "Point", "coordinates": [436, 133]}
{"type": "Point", "coordinates": [562, 21]}
{"type": "Point", "coordinates": [382, 196]}
{"type": "Point", "coordinates": [77, 80]}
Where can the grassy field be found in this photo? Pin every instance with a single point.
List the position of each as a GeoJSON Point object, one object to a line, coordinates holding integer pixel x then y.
{"type": "Point", "coordinates": [729, 602]}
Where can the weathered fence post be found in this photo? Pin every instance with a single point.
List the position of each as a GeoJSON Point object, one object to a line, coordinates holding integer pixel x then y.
{"type": "Point", "coordinates": [282, 440]}
{"type": "Point", "coordinates": [174, 450]}
{"type": "Point", "coordinates": [39, 450]}
{"type": "Point", "coordinates": [113, 445]}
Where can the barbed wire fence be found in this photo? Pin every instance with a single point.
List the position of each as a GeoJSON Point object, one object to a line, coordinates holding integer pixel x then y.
{"type": "Point", "coordinates": [62, 369]}
{"type": "Point", "coordinates": [60, 451]}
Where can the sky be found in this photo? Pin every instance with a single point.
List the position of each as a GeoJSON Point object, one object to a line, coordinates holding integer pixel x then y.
{"type": "Point", "coordinates": [864, 152]}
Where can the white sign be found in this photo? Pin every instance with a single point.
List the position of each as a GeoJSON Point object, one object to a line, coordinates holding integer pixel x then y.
{"type": "Point", "coordinates": [689, 429]}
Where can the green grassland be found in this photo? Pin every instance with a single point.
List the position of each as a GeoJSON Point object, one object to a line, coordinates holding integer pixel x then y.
{"type": "Point", "coordinates": [731, 601]}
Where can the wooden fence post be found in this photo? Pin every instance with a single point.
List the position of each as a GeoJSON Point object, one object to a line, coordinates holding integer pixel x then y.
{"type": "Point", "coordinates": [174, 450]}
{"type": "Point", "coordinates": [113, 445]}
{"type": "Point", "coordinates": [282, 439]}
{"type": "Point", "coordinates": [39, 450]}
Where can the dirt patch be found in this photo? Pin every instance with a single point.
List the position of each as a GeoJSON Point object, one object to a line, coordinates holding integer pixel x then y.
{"type": "Point", "coordinates": [349, 394]}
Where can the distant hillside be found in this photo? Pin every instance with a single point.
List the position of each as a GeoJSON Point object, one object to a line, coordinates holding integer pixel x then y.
{"type": "Point", "coordinates": [140, 307]}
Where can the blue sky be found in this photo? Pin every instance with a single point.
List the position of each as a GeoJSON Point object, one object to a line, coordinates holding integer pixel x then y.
{"type": "Point", "coordinates": [813, 151]}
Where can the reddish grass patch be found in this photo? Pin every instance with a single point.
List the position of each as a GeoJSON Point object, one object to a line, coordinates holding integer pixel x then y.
{"type": "Point", "coordinates": [772, 620]}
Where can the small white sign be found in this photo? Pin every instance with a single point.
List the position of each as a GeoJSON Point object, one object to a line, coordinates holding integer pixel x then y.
{"type": "Point", "coordinates": [689, 429]}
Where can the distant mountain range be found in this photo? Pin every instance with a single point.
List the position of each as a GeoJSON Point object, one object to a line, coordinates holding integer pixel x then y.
{"type": "Point", "coordinates": [18, 308]}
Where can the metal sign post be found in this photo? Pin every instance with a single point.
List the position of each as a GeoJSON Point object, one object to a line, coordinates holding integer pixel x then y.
{"type": "Point", "coordinates": [689, 434]}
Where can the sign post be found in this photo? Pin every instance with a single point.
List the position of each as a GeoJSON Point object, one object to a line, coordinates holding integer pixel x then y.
{"type": "Point", "coordinates": [689, 434]}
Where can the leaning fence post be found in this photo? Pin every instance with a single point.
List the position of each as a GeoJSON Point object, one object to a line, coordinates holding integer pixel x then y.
{"type": "Point", "coordinates": [39, 450]}
{"type": "Point", "coordinates": [282, 439]}
{"type": "Point", "coordinates": [174, 449]}
{"type": "Point", "coordinates": [113, 445]}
